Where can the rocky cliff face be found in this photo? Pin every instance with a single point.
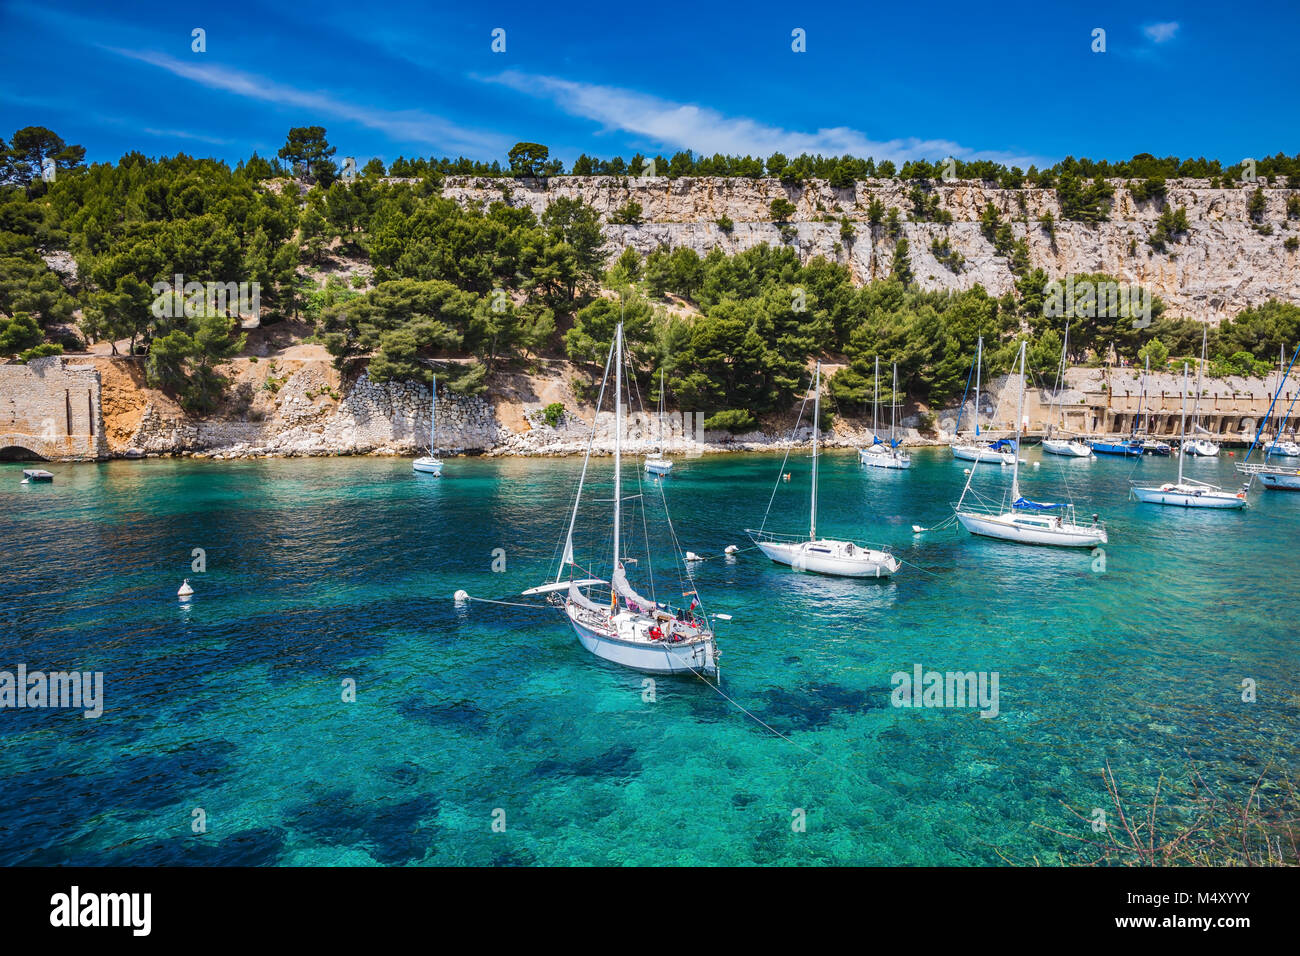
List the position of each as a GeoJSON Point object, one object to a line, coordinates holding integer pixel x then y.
{"type": "Point", "coordinates": [1221, 266]}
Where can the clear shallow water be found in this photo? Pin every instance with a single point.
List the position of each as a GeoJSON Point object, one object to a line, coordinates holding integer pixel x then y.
{"type": "Point", "coordinates": [320, 570]}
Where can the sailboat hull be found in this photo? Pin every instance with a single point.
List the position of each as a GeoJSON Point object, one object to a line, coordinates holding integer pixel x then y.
{"type": "Point", "coordinates": [831, 558]}
{"type": "Point", "coordinates": [1122, 449]}
{"type": "Point", "coordinates": [658, 466]}
{"type": "Point", "coordinates": [1280, 480]}
{"type": "Point", "coordinates": [428, 466]}
{"type": "Point", "coordinates": [1066, 449]}
{"type": "Point", "coordinates": [1026, 529]}
{"type": "Point", "coordinates": [982, 453]}
{"type": "Point", "coordinates": [885, 460]}
{"type": "Point", "coordinates": [688, 657]}
{"type": "Point", "coordinates": [1184, 497]}
{"type": "Point", "coordinates": [1200, 449]}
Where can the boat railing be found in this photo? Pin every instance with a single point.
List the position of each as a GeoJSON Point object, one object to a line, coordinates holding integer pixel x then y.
{"type": "Point", "coordinates": [1260, 468]}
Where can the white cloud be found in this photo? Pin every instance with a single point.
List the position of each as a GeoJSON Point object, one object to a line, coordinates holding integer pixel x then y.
{"type": "Point", "coordinates": [185, 134]}
{"type": "Point", "coordinates": [1161, 32]}
{"type": "Point", "coordinates": [403, 126]}
{"type": "Point", "coordinates": [705, 130]}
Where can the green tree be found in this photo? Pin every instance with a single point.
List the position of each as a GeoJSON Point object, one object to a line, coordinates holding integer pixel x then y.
{"type": "Point", "coordinates": [309, 153]}
{"type": "Point", "coordinates": [901, 269]}
{"type": "Point", "coordinates": [528, 159]}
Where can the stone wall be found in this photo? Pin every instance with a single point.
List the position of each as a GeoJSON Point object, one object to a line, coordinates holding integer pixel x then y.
{"type": "Point", "coordinates": [51, 409]}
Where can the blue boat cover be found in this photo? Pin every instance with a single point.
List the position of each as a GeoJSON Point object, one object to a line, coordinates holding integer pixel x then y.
{"type": "Point", "coordinates": [1028, 505]}
{"type": "Point", "coordinates": [1007, 444]}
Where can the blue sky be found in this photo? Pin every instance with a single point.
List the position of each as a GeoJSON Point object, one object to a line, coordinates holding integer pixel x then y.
{"type": "Point", "coordinates": [1014, 82]}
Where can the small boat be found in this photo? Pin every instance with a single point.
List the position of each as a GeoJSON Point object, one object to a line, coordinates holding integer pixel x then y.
{"type": "Point", "coordinates": [1141, 424]}
{"type": "Point", "coordinates": [821, 555]}
{"type": "Point", "coordinates": [1005, 450]}
{"type": "Point", "coordinates": [1067, 448]}
{"type": "Point", "coordinates": [1199, 447]}
{"type": "Point", "coordinates": [881, 455]}
{"type": "Point", "coordinates": [1128, 447]}
{"type": "Point", "coordinates": [1029, 522]}
{"type": "Point", "coordinates": [1283, 449]}
{"type": "Point", "coordinates": [659, 463]}
{"type": "Point", "coordinates": [1064, 447]}
{"type": "Point", "coordinates": [1184, 492]}
{"type": "Point", "coordinates": [1276, 477]}
{"type": "Point", "coordinates": [35, 474]}
{"type": "Point", "coordinates": [430, 464]}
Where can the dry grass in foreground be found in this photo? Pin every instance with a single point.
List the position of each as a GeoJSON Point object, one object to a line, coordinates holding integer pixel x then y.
{"type": "Point", "coordinates": [1192, 825]}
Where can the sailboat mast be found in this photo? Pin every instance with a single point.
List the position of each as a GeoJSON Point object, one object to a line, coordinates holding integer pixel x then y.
{"type": "Point", "coordinates": [893, 404]}
{"type": "Point", "coordinates": [979, 364]}
{"type": "Point", "coordinates": [1196, 413]}
{"type": "Point", "coordinates": [433, 418]}
{"type": "Point", "coordinates": [1142, 394]}
{"type": "Point", "coordinates": [1182, 428]}
{"type": "Point", "coordinates": [618, 451]}
{"type": "Point", "coordinates": [1020, 410]}
{"type": "Point", "coordinates": [566, 559]}
{"type": "Point", "coordinates": [661, 411]}
{"type": "Point", "coordinates": [875, 402]}
{"type": "Point", "coordinates": [817, 421]}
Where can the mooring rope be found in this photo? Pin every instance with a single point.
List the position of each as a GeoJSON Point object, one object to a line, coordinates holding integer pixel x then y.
{"type": "Point", "coordinates": [535, 607]}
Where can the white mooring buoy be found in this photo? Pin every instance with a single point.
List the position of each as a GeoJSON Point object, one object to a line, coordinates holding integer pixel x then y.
{"type": "Point", "coordinates": [461, 597]}
{"type": "Point", "coordinates": [730, 549]}
{"type": "Point", "coordinates": [1036, 466]}
{"type": "Point", "coordinates": [185, 589]}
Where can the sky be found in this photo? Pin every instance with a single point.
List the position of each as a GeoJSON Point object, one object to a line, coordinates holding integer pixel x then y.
{"type": "Point", "coordinates": [1014, 82]}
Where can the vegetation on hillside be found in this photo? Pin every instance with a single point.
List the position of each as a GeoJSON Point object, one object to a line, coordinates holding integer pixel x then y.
{"type": "Point", "coordinates": [471, 288]}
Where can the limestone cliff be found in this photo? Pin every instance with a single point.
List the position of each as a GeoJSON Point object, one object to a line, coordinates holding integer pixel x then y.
{"type": "Point", "coordinates": [1222, 265]}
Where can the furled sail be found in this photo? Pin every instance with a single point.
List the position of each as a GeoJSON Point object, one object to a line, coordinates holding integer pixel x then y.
{"type": "Point", "coordinates": [580, 599]}
{"type": "Point", "coordinates": [623, 589]}
{"type": "Point", "coordinates": [1028, 505]}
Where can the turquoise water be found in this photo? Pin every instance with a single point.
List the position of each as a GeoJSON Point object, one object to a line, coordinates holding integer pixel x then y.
{"type": "Point", "coordinates": [321, 570]}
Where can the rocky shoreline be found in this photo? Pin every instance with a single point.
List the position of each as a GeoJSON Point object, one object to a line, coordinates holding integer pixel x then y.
{"type": "Point", "coordinates": [301, 408]}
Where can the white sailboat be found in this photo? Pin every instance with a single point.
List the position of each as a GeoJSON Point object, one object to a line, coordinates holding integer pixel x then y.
{"type": "Point", "coordinates": [822, 555]}
{"type": "Point", "coordinates": [623, 626]}
{"type": "Point", "coordinates": [1282, 447]}
{"type": "Point", "coordinates": [431, 464]}
{"type": "Point", "coordinates": [659, 463]}
{"type": "Point", "coordinates": [1029, 522]}
{"type": "Point", "coordinates": [881, 455]}
{"type": "Point", "coordinates": [1186, 493]}
{"type": "Point", "coordinates": [1002, 451]}
{"type": "Point", "coordinates": [1199, 447]}
{"type": "Point", "coordinates": [1275, 475]}
{"type": "Point", "coordinates": [1064, 447]}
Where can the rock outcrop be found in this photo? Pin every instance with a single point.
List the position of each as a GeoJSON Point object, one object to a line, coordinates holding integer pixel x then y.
{"type": "Point", "coordinates": [1222, 265]}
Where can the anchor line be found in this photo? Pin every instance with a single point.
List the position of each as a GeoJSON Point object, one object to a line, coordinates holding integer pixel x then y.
{"type": "Point", "coordinates": [535, 607]}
